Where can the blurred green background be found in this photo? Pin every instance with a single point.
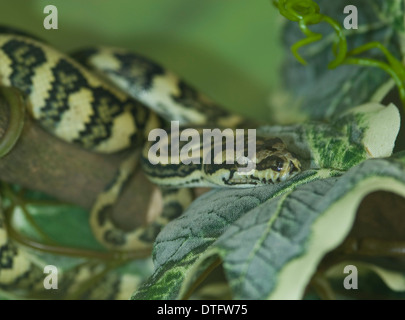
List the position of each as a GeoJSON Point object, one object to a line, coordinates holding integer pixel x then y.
{"type": "Point", "coordinates": [228, 49]}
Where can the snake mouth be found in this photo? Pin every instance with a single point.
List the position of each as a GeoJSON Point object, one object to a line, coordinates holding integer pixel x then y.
{"type": "Point", "coordinates": [261, 177]}
{"type": "Point", "coordinates": [256, 179]}
{"type": "Point", "coordinates": [269, 168]}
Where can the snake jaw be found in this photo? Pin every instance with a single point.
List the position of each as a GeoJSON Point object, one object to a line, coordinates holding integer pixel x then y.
{"type": "Point", "coordinates": [263, 174]}
{"type": "Point", "coordinates": [272, 163]}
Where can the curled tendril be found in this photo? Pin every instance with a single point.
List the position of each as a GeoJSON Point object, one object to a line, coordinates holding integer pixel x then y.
{"type": "Point", "coordinates": [307, 12]}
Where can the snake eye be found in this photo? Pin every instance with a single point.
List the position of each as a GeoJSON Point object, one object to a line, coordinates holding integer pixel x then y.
{"type": "Point", "coordinates": [273, 162]}
{"type": "Point", "coordinates": [277, 163]}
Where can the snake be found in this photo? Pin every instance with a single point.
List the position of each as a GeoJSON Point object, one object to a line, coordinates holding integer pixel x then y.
{"type": "Point", "coordinates": [107, 100]}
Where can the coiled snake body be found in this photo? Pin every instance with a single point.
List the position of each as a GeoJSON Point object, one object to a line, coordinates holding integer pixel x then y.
{"type": "Point", "coordinates": [110, 101]}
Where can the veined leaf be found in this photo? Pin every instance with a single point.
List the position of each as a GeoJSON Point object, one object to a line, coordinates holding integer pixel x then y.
{"type": "Point", "coordinates": [368, 131]}
{"type": "Point", "coordinates": [273, 250]}
{"type": "Point", "coordinates": [271, 238]}
{"type": "Point", "coordinates": [183, 241]}
{"type": "Point", "coordinates": [395, 280]}
{"type": "Point", "coordinates": [65, 228]}
{"type": "Point", "coordinates": [315, 92]}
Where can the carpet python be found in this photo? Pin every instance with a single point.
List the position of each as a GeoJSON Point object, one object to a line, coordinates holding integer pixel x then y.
{"type": "Point", "coordinates": [107, 100]}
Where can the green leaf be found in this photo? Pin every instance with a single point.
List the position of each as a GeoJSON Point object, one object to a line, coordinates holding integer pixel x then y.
{"type": "Point", "coordinates": [272, 251]}
{"type": "Point", "coordinates": [315, 92]}
{"type": "Point", "coordinates": [65, 228]}
{"type": "Point", "coordinates": [394, 280]}
{"type": "Point", "coordinates": [271, 238]}
{"type": "Point", "coordinates": [65, 224]}
{"type": "Point", "coordinates": [183, 241]}
{"type": "Point", "coordinates": [368, 131]}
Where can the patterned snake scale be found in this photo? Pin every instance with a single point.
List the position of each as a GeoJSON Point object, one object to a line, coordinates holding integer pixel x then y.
{"type": "Point", "coordinates": [108, 100]}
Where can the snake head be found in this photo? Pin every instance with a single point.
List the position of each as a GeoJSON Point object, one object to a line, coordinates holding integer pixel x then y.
{"type": "Point", "coordinates": [275, 166]}
{"type": "Point", "coordinates": [274, 163]}
{"type": "Point", "coordinates": [271, 163]}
